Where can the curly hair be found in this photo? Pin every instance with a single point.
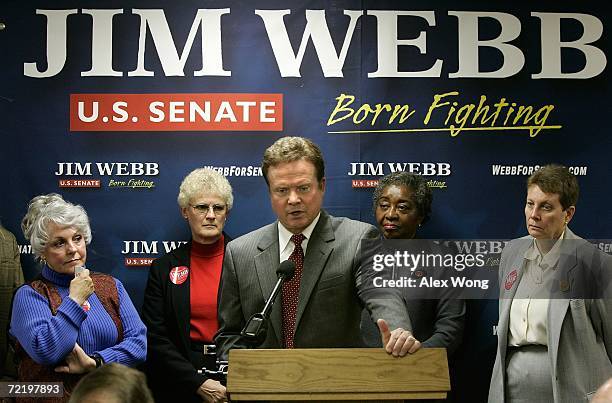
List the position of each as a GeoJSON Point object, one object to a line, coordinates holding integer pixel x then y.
{"type": "Point", "coordinates": [421, 193]}
{"type": "Point", "coordinates": [48, 208]}
{"type": "Point", "coordinates": [206, 181]}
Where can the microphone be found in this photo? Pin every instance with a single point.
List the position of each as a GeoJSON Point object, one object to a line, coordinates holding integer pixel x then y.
{"type": "Point", "coordinates": [286, 270]}
{"type": "Point", "coordinates": [254, 332]}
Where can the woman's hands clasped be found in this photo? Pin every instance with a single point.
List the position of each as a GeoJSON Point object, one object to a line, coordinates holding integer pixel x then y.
{"type": "Point", "coordinates": [77, 362]}
{"type": "Point", "coordinates": [212, 391]}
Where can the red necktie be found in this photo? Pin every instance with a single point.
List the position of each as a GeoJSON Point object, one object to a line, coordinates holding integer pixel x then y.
{"type": "Point", "coordinates": [291, 291]}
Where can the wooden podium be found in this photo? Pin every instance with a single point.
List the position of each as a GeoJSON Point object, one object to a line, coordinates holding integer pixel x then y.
{"type": "Point", "coordinates": [340, 375]}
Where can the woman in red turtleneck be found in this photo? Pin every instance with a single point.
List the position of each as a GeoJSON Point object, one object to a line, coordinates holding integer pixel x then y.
{"type": "Point", "coordinates": [180, 304]}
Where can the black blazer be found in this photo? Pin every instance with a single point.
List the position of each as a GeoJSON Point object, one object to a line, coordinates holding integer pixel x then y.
{"type": "Point", "coordinates": [166, 312]}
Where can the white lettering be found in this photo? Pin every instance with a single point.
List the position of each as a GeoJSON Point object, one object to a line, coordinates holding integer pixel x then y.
{"type": "Point", "coordinates": [387, 43]}
{"type": "Point", "coordinates": [468, 66]}
{"type": "Point", "coordinates": [595, 58]}
{"type": "Point", "coordinates": [316, 28]}
{"type": "Point", "coordinates": [172, 63]}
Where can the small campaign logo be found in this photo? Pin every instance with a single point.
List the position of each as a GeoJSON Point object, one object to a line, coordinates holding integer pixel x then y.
{"type": "Point", "coordinates": [77, 174]}
{"type": "Point", "coordinates": [383, 168]}
{"type": "Point", "coordinates": [373, 169]}
{"type": "Point", "coordinates": [237, 170]}
{"type": "Point", "coordinates": [86, 306]}
{"type": "Point", "coordinates": [179, 274]}
{"type": "Point", "coordinates": [525, 170]}
{"type": "Point", "coordinates": [510, 279]}
{"type": "Point", "coordinates": [135, 249]}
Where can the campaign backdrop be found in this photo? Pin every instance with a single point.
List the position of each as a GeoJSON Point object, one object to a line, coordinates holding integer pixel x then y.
{"type": "Point", "coordinates": [113, 104]}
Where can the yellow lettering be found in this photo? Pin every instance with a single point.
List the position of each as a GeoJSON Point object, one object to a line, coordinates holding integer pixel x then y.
{"type": "Point", "coordinates": [342, 107]}
{"type": "Point", "coordinates": [437, 104]}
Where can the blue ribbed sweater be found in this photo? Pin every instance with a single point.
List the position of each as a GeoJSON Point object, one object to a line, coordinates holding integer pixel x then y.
{"type": "Point", "coordinates": [48, 339]}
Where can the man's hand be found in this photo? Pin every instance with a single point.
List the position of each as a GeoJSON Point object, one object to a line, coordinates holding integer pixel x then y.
{"type": "Point", "coordinates": [212, 391]}
{"type": "Point", "coordinates": [398, 342]}
{"type": "Point", "coordinates": [77, 362]}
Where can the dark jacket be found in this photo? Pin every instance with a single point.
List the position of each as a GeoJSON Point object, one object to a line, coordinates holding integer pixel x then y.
{"type": "Point", "coordinates": [171, 368]}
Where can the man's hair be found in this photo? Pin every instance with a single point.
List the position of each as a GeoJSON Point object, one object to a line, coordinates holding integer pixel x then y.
{"type": "Point", "coordinates": [113, 380]}
{"type": "Point", "coordinates": [289, 149]}
{"type": "Point", "coordinates": [557, 179]}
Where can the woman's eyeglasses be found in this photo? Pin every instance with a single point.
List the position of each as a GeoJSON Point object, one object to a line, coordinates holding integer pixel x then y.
{"type": "Point", "coordinates": [203, 208]}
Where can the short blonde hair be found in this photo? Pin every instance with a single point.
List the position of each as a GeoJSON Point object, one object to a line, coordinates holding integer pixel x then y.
{"type": "Point", "coordinates": [52, 207]}
{"type": "Point", "coordinates": [206, 181]}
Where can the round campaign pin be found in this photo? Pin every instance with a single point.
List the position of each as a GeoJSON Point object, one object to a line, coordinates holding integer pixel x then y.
{"type": "Point", "coordinates": [86, 306]}
{"type": "Point", "coordinates": [179, 274]}
{"type": "Point", "coordinates": [510, 279]}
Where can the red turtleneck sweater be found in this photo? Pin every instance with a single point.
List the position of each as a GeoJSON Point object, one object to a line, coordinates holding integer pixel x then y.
{"type": "Point", "coordinates": [204, 276]}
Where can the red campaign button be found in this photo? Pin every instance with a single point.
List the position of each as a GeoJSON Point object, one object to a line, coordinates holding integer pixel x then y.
{"type": "Point", "coordinates": [179, 274]}
{"type": "Point", "coordinates": [86, 306]}
{"type": "Point", "coordinates": [510, 279]}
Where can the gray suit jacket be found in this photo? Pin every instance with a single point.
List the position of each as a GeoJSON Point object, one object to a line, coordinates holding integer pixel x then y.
{"type": "Point", "coordinates": [332, 289]}
{"type": "Point", "coordinates": [579, 330]}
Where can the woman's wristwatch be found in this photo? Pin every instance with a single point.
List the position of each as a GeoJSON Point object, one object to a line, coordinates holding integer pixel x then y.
{"type": "Point", "coordinates": [98, 359]}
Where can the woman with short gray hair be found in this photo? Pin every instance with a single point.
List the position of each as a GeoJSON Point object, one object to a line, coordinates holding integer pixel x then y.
{"type": "Point", "coordinates": [554, 334]}
{"type": "Point", "coordinates": [205, 180]}
{"type": "Point", "coordinates": [52, 208]}
{"type": "Point", "coordinates": [180, 304]}
{"type": "Point", "coordinates": [68, 320]}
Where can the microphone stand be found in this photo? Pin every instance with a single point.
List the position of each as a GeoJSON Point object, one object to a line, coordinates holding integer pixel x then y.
{"type": "Point", "coordinates": [254, 332]}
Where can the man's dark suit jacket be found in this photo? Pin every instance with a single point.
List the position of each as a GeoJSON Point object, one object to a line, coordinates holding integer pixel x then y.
{"type": "Point", "coordinates": [331, 291]}
{"type": "Point", "coordinates": [171, 372]}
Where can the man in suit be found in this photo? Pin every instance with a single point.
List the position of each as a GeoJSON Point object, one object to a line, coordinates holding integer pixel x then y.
{"type": "Point", "coordinates": [11, 277]}
{"type": "Point", "coordinates": [321, 305]}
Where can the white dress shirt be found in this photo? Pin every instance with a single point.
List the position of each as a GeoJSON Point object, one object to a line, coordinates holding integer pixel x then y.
{"type": "Point", "coordinates": [285, 246]}
{"type": "Point", "coordinates": [529, 310]}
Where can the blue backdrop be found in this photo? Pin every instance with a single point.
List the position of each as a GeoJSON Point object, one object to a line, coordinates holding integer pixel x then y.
{"type": "Point", "coordinates": [552, 107]}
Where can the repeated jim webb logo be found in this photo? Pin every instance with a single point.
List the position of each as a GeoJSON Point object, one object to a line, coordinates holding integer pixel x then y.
{"type": "Point", "coordinates": [117, 175]}
{"type": "Point", "coordinates": [141, 253]}
{"type": "Point", "coordinates": [374, 169]}
{"type": "Point", "coordinates": [136, 253]}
